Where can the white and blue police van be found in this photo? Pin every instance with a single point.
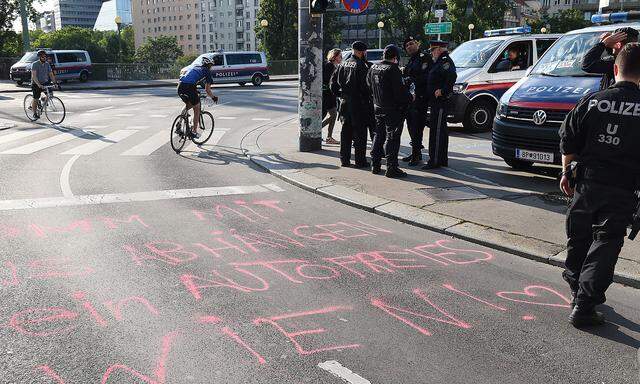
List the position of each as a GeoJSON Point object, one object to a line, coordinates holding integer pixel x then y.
{"type": "Point", "coordinates": [529, 115]}
{"type": "Point", "coordinates": [66, 64]}
{"type": "Point", "coordinates": [235, 67]}
{"type": "Point", "coordinates": [485, 72]}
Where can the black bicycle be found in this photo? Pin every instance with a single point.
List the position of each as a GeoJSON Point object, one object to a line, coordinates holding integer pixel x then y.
{"type": "Point", "coordinates": [52, 106]}
{"type": "Point", "coordinates": [181, 128]}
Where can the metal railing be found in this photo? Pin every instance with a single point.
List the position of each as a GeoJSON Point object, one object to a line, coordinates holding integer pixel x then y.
{"type": "Point", "coordinates": [5, 66]}
{"type": "Point", "coordinates": [283, 67]}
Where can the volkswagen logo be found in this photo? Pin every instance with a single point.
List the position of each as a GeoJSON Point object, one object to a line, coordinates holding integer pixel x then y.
{"type": "Point", "coordinates": [539, 117]}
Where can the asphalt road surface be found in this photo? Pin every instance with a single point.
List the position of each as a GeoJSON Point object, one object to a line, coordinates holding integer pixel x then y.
{"type": "Point", "coordinates": [122, 262]}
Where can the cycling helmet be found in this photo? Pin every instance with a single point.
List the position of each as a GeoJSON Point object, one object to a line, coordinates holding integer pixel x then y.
{"type": "Point", "coordinates": [206, 61]}
{"type": "Point", "coordinates": [42, 52]}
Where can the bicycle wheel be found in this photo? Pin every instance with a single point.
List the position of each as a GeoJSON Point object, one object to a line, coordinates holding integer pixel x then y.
{"type": "Point", "coordinates": [55, 111]}
{"type": "Point", "coordinates": [179, 133]}
{"type": "Point", "coordinates": [207, 124]}
{"type": "Point", "coordinates": [28, 108]}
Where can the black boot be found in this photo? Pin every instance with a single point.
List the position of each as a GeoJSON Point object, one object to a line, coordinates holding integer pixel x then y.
{"type": "Point", "coordinates": [416, 158]}
{"type": "Point", "coordinates": [364, 164]}
{"type": "Point", "coordinates": [407, 158]}
{"type": "Point", "coordinates": [395, 172]}
{"type": "Point", "coordinates": [376, 169]}
{"type": "Point", "coordinates": [585, 317]}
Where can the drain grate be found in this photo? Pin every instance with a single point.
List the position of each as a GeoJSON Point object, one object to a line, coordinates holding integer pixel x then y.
{"type": "Point", "coordinates": [453, 193]}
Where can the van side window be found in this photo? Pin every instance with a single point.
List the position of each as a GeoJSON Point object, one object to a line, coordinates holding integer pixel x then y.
{"type": "Point", "coordinates": [542, 45]}
{"type": "Point", "coordinates": [217, 60]}
{"type": "Point", "coordinates": [234, 59]}
{"type": "Point", "coordinates": [518, 56]}
{"type": "Point", "coordinates": [71, 57]}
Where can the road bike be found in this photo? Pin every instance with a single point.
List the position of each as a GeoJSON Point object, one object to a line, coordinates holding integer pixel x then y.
{"type": "Point", "coordinates": [181, 128]}
{"type": "Point", "coordinates": [52, 106]}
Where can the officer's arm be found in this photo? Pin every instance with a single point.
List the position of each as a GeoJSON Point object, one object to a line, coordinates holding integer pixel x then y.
{"type": "Point", "coordinates": [592, 61]}
{"type": "Point", "coordinates": [450, 80]}
{"type": "Point", "coordinates": [400, 90]}
{"type": "Point", "coordinates": [365, 90]}
{"type": "Point", "coordinates": [333, 84]}
{"type": "Point", "coordinates": [572, 132]}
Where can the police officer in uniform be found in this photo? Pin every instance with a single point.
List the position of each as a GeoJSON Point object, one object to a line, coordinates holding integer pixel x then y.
{"type": "Point", "coordinates": [602, 134]}
{"type": "Point", "coordinates": [442, 77]}
{"type": "Point", "coordinates": [391, 98]}
{"type": "Point", "coordinates": [349, 82]}
{"type": "Point", "coordinates": [592, 62]}
{"type": "Point", "coordinates": [417, 71]}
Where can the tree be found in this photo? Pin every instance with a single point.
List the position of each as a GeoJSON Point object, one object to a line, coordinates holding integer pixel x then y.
{"type": "Point", "coordinates": [9, 11]}
{"type": "Point", "coordinates": [75, 38]}
{"type": "Point", "coordinates": [403, 18]}
{"type": "Point", "coordinates": [567, 20]}
{"type": "Point", "coordinates": [163, 49]}
{"type": "Point", "coordinates": [484, 14]}
{"type": "Point", "coordinates": [280, 39]}
{"type": "Point", "coordinates": [332, 30]}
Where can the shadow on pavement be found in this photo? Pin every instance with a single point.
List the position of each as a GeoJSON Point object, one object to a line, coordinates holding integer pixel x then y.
{"type": "Point", "coordinates": [611, 330]}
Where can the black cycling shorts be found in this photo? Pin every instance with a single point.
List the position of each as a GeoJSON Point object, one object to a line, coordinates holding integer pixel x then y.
{"type": "Point", "coordinates": [36, 90]}
{"type": "Point", "coordinates": [189, 93]}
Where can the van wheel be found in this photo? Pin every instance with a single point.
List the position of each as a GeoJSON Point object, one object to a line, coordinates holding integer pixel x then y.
{"type": "Point", "coordinates": [242, 84]}
{"type": "Point", "coordinates": [519, 165]}
{"type": "Point", "coordinates": [257, 80]}
{"type": "Point", "coordinates": [84, 76]}
{"type": "Point", "coordinates": [19, 82]}
{"type": "Point", "coordinates": [479, 116]}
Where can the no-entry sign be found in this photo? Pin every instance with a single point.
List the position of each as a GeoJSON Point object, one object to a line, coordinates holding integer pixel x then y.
{"type": "Point", "coordinates": [355, 6]}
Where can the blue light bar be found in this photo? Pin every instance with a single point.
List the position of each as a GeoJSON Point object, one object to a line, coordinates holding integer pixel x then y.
{"type": "Point", "coordinates": [617, 17]}
{"type": "Point", "coordinates": [508, 31]}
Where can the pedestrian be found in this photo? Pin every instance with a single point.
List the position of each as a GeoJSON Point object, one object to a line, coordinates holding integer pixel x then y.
{"type": "Point", "coordinates": [391, 98]}
{"type": "Point", "coordinates": [442, 77]}
{"type": "Point", "coordinates": [601, 134]}
{"type": "Point", "coordinates": [612, 43]}
{"type": "Point", "coordinates": [329, 102]}
{"type": "Point", "coordinates": [417, 70]}
{"type": "Point", "coordinates": [349, 82]}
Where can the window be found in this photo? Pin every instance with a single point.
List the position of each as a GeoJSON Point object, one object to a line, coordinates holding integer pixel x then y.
{"type": "Point", "coordinates": [71, 57]}
{"type": "Point", "coordinates": [542, 45]}
{"type": "Point", "coordinates": [217, 59]}
{"type": "Point", "coordinates": [243, 58]}
{"type": "Point", "coordinates": [518, 56]}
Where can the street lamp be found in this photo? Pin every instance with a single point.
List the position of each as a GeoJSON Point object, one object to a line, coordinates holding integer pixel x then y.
{"type": "Point", "coordinates": [543, 30]}
{"type": "Point", "coordinates": [380, 26]}
{"type": "Point", "coordinates": [264, 24]}
{"type": "Point", "coordinates": [118, 21]}
{"type": "Point", "coordinates": [471, 28]}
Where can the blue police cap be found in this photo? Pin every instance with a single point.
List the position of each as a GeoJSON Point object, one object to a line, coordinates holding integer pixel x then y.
{"type": "Point", "coordinates": [391, 52]}
{"type": "Point", "coordinates": [359, 46]}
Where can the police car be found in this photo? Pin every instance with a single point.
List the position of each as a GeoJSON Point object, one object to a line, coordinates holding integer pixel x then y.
{"type": "Point", "coordinates": [235, 67]}
{"type": "Point", "coordinates": [485, 72]}
{"type": "Point", "coordinates": [525, 129]}
{"type": "Point", "coordinates": [66, 65]}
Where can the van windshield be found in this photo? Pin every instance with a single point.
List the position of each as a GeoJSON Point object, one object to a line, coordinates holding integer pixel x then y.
{"type": "Point", "coordinates": [564, 58]}
{"type": "Point", "coordinates": [29, 57]}
{"type": "Point", "coordinates": [474, 53]}
{"type": "Point", "coordinates": [374, 55]}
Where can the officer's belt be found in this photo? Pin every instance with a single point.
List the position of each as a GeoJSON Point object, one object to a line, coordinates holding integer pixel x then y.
{"type": "Point", "coordinates": [624, 180]}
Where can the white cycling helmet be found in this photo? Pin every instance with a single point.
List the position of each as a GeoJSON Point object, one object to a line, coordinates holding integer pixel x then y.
{"type": "Point", "coordinates": [206, 61]}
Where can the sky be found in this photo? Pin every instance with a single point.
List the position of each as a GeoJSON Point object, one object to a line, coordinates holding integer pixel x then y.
{"type": "Point", "coordinates": [46, 5]}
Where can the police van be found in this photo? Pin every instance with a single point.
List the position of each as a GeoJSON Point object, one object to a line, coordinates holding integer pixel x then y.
{"type": "Point", "coordinates": [525, 129]}
{"type": "Point", "coordinates": [235, 67]}
{"type": "Point", "coordinates": [486, 71]}
{"type": "Point", "coordinates": [66, 64]}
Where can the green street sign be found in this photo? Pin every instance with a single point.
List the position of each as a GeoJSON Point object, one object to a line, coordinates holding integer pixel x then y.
{"type": "Point", "coordinates": [437, 28]}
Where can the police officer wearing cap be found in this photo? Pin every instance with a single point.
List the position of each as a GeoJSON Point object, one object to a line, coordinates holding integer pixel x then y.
{"type": "Point", "coordinates": [391, 97]}
{"type": "Point", "coordinates": [593, 62]}
{"type": "Point", "coordinates": [349, 82]}
{"type": "Point", "coordinates": [417, 70]}
{"type": "Point", "coordinates": [601, 133]}
{"type": "Point", "coordinates": [442, 77]}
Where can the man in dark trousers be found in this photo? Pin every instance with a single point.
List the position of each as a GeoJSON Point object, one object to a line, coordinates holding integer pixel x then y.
{"type": "Point", "coordinates": [601, 133]}
{"type": "Point", "coordinates": [442, 77]}
{"type": "Point", "coordinates": [349, 82]}
{"type": "Point", "coordinates": [417, 70]}
{"type": "Point", "coordinates": [391, 98]}
{"type": "Point", "coordinates": [593, 62]}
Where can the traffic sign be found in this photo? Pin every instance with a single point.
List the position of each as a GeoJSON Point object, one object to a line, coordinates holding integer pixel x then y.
{"type": "Point", "coordinates": [439, 13]}
{"type": "Point", "coordinates": [355, 6]}
{"type": "Point", "coordinates": [437, 28]}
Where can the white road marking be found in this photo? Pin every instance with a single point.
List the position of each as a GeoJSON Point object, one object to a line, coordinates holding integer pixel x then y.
{"type": "Point", "coordinates": [260, 119]}
{"type": "Point", "coordinates": [34, 147]}
{"type": "Point", "coordinates": [160, 116]}
{"type": "Point", "coordinates": [100, 143]}
{"type": "Point", "coordinates": [226, 117]}
{"type": "Point", "coordinates": [137, 102]}
{"type": "Point", "coordinates": [65, 186]}
{"type": "Point", "coordinates": [20, 135]}
{"type": "Point", "coordinates": [124, 115]}
{"type": "Point", "coordinates": [336, 369]}
{"type": "Point", "coordinates": [96, 126]}
{"type": "Point", "coordinates": [216, 136]}
{"type": "Point", "coordinates": [150, 145]}
{"type": "Point", "coordinates": [100, 109]}
{"type": "Point", "coordinates": [138, 127]}
{"type": "Point", "coordinates": [112, 198]}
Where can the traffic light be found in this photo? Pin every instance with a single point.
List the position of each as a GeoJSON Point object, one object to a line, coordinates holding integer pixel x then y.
{"type": "Point", "coordinates": [318, 7]}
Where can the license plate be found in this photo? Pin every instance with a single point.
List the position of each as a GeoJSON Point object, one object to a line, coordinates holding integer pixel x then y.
{"type": "Point", "coordinates": [543, 157]}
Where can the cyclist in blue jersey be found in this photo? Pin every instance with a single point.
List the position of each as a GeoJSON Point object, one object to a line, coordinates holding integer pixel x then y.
{"type": "Point", "coordinates": [188, 91]}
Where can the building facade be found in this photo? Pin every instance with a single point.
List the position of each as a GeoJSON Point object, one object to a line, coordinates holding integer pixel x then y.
{"type": "Point", "coordinates": [362, 27]}
{"type": "Point", "coordinates": [77, 13]}
{"type": "Point", "coordinates": [47, 22]}
{"type": "Point", "coordinates": [589, 7]}
{"type": "Point", "coordinates": [198, 25]}
{"type": "Point", "coordinates": [108, 13]}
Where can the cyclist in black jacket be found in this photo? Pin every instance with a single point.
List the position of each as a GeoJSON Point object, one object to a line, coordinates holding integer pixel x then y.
{"type": "Point", "coordinates": [593, 62]}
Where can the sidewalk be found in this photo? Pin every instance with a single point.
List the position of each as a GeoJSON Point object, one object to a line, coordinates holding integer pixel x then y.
{"type": "Point", "coordinates": [8, 86]}
{"type": "Point", "coordinates": [528, 222]}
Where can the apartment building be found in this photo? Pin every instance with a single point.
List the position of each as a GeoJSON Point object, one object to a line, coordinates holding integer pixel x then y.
{"type": "Point", "coordinates": [108, 13]}
{"type": "Point", "coordinates": [198, 25]}
{"type": "Point", "coordinates": [589, 7]}
{"type": "Point", "coordinates": [77, 13]}
{"type": "Point", "coordinates": [46, 22]}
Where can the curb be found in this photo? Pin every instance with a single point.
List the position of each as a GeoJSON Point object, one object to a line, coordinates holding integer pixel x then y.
{"type": "Point", "coordinates": [132, 86]}
{"type": "Point", "coordinates": [530, 248]}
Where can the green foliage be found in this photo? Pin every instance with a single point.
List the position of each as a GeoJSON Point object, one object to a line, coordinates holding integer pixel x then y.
{"type": "Point", "coordinates": [332, 31]}
{"type": "Point", "coordinates": [404, 17]}
{"type": "Point", "coordinates": [10, 42]}
{"type": "Point", "coordinates": [163, 50]}
{"type": "Point", "coordinates": [567, 20]}
{"type": "Point", "coordinates": [486, 14]}
{"type": "Point", "coordinates": [185, 60]}
{"type": "Point", "coordinates": [280, 39]}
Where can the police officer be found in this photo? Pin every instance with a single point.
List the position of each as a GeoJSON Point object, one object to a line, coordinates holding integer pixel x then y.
{"type": "Point", "coordinates": [417, 70]}
{"type": "Point", "coordinates": [391, 98]}
{"type": "Point", "coordinates": [349, 82]}
{"type": "Point", "coordinates": [593, 62]}
{"type": "Point", "coordinates": [442, 77]}
{"type": "Point", "coordinates": [602, 134]}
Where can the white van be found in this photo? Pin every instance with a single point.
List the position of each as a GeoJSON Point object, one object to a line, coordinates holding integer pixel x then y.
{"type": "Point", "coordinates": [235, 67]}
{"type": "Point", "coordinates": [66, 64]}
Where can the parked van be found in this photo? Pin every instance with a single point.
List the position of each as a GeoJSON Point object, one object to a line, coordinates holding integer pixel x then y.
{"type": "Point", "coordinates": [485, 72]}
{"type": "Point", "coordinates": [66, 64]}
{"type": "Point", "coordinates": [235, 67]}
{"type": "Point", "coordinates": [525, 129]}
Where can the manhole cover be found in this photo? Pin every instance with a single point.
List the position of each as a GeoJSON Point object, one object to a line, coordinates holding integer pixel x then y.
{"type": "Point", "coordinates": [453, 193]}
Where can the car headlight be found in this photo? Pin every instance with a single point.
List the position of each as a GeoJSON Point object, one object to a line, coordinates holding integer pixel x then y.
{"type": "Point", "coordinates": [459, 88]}
{"type": "Point", "coordinates": [183, 72]}
{"type": "Point", "coordinates": [502, 109]}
